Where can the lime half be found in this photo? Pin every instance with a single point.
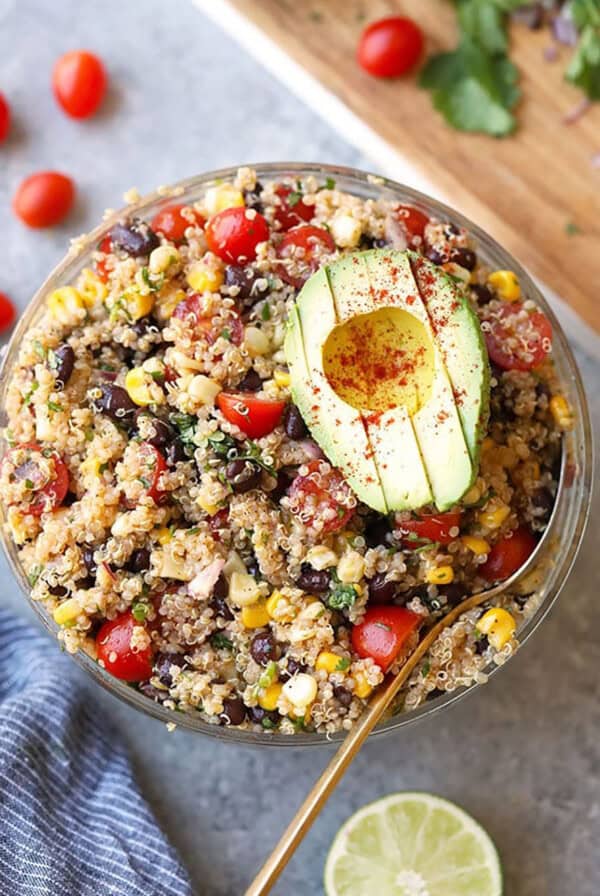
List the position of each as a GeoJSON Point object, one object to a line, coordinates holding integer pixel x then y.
{"type": "Point", "coordinates": [412, 844]}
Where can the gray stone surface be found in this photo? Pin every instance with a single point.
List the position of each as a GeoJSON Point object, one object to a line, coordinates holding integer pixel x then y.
{"type": "Point", "coordinates": [523, 753]}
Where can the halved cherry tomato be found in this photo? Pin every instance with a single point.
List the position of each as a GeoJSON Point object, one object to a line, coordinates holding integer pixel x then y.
{"type": "Point", "coordinates": [79, 83]}
{"type": "Point", "coordinates": [390, 47]}
{"type": "Point", "coordinates": [508, 555]}
{"type": "Point", "coordinates": [414, 223]}
{"type": "Point", "coordinates": [321, 497]}
{"type": "Point", "coordinates": [154, 465]}
{"type": "Point", "coordinates": [171, 223]}
{"type": "Point", "coordinates": [8, 312]}
{"type": "Point", "coordinates": [115, 653]}
{"type": "Point", "coordinates": [430, 527]}
{"type": "Point", "coordinates": [46, 495]}
{"type": "Point", "coordinates": [256, 417]}
{"type": "Point", "coordinates": [105, 245]}
{"type": "Point", "coordinates": [383, 633]}
{"type": "Point", "coordinates": [292, 209]}
{"type": "Point", "coordinates": [193, 311]}
{"type": "Point", "coordinates": [306, 244]}
{"type": "Point", "coordinates": [234, 234]}
{"type": "Point", "coordinates": [4, 118]}
{"type": "Point", "coordinates": [44, 199]}
{"type": "Point", "coordinates": [517, 339]}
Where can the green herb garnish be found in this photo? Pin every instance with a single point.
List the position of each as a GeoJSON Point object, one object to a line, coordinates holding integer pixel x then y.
{"type": "Point", "coordinates": [571, 228]}
{"type": "Point", "coordinates": [153, 282]}
{"type": "Point", "coordinates": [268, 676]}
{"type": "Point", "coordinates": [33, 388]}
{"type": "Point", "coordinates": [221, 642]}
{"type": "Point", "coordinates": [140, 611]}
{"type": "Point", "coordinates": [55, 407]}
{"type": "Point", "coordinates": [343, 664]}
{"type": "Point", "coordinates": [221, 443]}
{"type": "Point", "coordinates": [342, 597]}
{"type": "Point", "coordinates": [425, 668]}
{"type": "Point", "coordinates": [34, 574]}
{"type": "Point", "coordinates": [29, 484]}
{"type": "Point", "coordinates": [294, 198]}
{"type": "Point", "coordinates": [186, 425]}
{"type": "Point", "coordinates": [265, 313]}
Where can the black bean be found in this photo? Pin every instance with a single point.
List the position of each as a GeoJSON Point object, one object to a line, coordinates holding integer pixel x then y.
{"type": "Point", "coordinates": [481, 644]}
{"type": "Point", "coordinates": [381, 590]}
{"type": "Point", "coordinates": [175, 453]}
{"type": "Point", "coordinates": [148, 690]}
{"type": "Point", "coordinates": [436, 692]}
{"type": "Point", "coordinates": [453, 593]}
{"type": "Point", "coordinates": [242, 475]}
{"type": "Point", "coordinates": [436, 256]}
{"type": "Point", "coordinates": [250, 383]}
{"type": "Point", "coordinates": [139, 560]}
{"type": "Point", "coordinates": [263, 648]}
{"type": "Point", "coordinates": [115, 402]}
{"type": "Point", "coordinates": [377, 531]}
{"type": "Point", "coordinates": [543, 501]}
{"type": "Point", "coordinates": [156, 432]}
{"type": "Point", "coordinates": [341, 694]}
{"type": "Point", "coordinates": [253, 197]}
{"type": "Point", "coordinates": [253, 567]}
{"type": "Point", "coordinates": [251, 284]}
{"type": "Point", "coordinates": [69, 499]}
{"type": "Point", "coordinates": [88, 560]}
{"type": "Point", "coordinates": [62, 364]}
{"type": "Point", "coordinates": [466, 258]}
{"type": "Point", "coordinates": [371, 242]}
{"type": "Point", "coordinates": [145, 325]}
{"type": "Point", "coordinates": [268, 718]}
{"type": "Point", "coordinates": [221, 607]}
{"type": "Point", "coordinates": [451, 229]}
{"type": "Point", "coordinates": [221, 588]}
{"type": "Point", "coordinates": [162, 666]}
{"type": "Point", "coordinates": [284, 480]}
{"type": "Point", "coordinates": [234, 711]}
{"type": "Point", "coordinates": [483, 294]}
{"type": "Point", "coordinates": [315, 581]}
{"type": "Point", "coordinates": [135, 238]}
{"type": "Point", "coordinates": [292, 668]}
{"type": "Point", "coordinates": [58, 590]}
{"type": "Point", "coordinates": [293, 423]}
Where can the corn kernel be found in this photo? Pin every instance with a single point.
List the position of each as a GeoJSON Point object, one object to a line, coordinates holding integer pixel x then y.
{"type": "Point", "coordinates": [351, 568]}
{"type": "Point", "coordinates": [300, 690]}
{"type": "Point", "coordinates": [270, 696]}
{"type": "Point", "coordinates": [91, 288]}
{"type": "Point", "coordinates": [276, 611]}
{"type": "Point", "coordinates": [440, 575]}
{"type": "Point", "coordinates": [66, 305]}
{"type": "Point", "coordinates": [208, 508]}
{"type": "Point", "coordinates": [204, 279]}
{"type": "Point", "coordinates": [506, 284]}
{"type": "Point", "coordinates": [561, 412]}
{"type": "Point", "coordinates": [282, 378]}
{"type": "Point", "coordinates": [162, 258]}
{"type": "Point", "coordinates": [320, 557]}
{"type": "Point", "coordinates": [478, 546]}
{"type": "Point", "coordinates": [498, 625]}
{"type": "Point", "coordinates": [203, 389]}
{"type": "Point", "coordinates": [164, 535]}
{"type": "Point", "coordinates": [328, 661]}
{"type": "Point", "coordinates": [362, 688]}
{"type": "Point", "coordinates": [139, 305]}
{"type": "Point", "coordinates": [493, 517]}
{"type": "Point", "coordinates": [256, 342]}
{"type": "Point", "coordinates": [138, 387]}
{"type": "Point", "coordinates": [67, 612]}
{"type": "Point", "coordinates": [167, 301]}
{"type": "Point", "coordinates": [223, 196]}
{"type": "Point", "coordinates": [255, 616]}
{"type": "Point", "coordinates": [244, 591]}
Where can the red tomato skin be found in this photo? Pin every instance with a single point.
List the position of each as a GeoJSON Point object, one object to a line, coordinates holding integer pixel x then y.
{"type": "Point", "coordinates": [413, 221]}
{"type": "Point", "coordinates": [4, 118]}
{"type": "Point", "coordinates": [79, 83]}
{"type": "Point", "coordinates": [390, 47]}
{"type": "Point", "coordinates": [233, 236]}
{"type": "Point", "coordinates": [303, 485]}
{"type": "Point", "coordinates": [8, 313]}
{"type": "Point", "coordinates": [105, 245]}
{"type": "Point", "coordinates": [192, 310]}
{"type": "Point", "coordinates": [499, 331]}
{"type": "Point", "coordinates": [44, 199]}
{"type": "Point", "coordinates": [432, 527]}
{"type": "Point", "coordinates": [115, 654]}
{"type": "Point", "coordinates": [307, 237]}
{"type": "Point", "coordinates": [383, 632]}
{"type": "Point", "coordinates": [56, 490]}
{"type": "Point", "coordinates": [291, 215]}
{"type": "Point", "coordinates": [256, 417]}
{"type": "Point", "coordinates": [508, 555]}
{"type": "Point", "coordinates": [170, 222]}
{"type": "Point", "coordinates": [157, 494]}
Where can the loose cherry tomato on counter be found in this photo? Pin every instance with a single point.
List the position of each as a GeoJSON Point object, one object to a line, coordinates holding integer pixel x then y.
{"type": "Point", "coordinates": [508, 555]}
{"type": "Point", "coordinates": [105, 246]}
{"type": "Point", "coordinates": [115, 651]}
{"type": "Point", "coordinates": [430, 527]}
{"type": "Point", "coordinates": [390, 47]}
{"type": "Point", "coordinates": [4, 118]}
{"type": "Point", "coordinates": [44, 199]}
{"type": "Point", "coordinates": [256, 417]}
{"type": "Point", "coordinates": [291, 209]}
{"type": "Point", "coordinates": [413, 222]}
{"type": "Point", "coordinates": [192, 310]}
{"type": "Point", "coordinates": [79, 83]}
{"type": "Point", "coordinates": [322, 498]}
{"type": "Point", "coordinates": [234, 234]}
{"type": "Point", "coordinates": [8, 312]}
{"type": "Point", "coordinates": [172, 224]}
{"type": "Point", "coordinates": [383, 633]}
{"type": "Point", "coordinates": [154, 465]}
{"type": "Point", "coordinates": [306, 244]}
{"type": "Point", "coordinates": [517, 339]}
{"type": "Point", "coordinates": [44, 473]}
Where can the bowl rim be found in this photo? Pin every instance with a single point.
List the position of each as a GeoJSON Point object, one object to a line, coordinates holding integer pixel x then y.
{"type": "Point", "coordinates": [82, 247]}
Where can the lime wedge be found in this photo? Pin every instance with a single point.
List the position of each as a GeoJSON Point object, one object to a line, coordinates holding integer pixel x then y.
{"type": "Point", "coordinates": [412, 844]}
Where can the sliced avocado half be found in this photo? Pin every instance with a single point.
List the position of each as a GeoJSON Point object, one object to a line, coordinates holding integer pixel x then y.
{"type": "Point", "coordinates": [389, 370]}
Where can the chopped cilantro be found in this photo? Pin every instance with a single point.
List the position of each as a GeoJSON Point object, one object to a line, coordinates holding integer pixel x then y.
{"type": "Point", "coordinates": [139, 611]}
{"type": "Point", "coordinates": [342, 597]}
{"type": "Point", "coordinates": [221, 443]}
{"type": "Point", "coordinates": [268, 676]}
{"type": "Point", "coordinates": [54, 406]}
{"type": "Point", "coordinates": [103, 468]}
{"type": "Point", "coordinates": [343, 664]}
{"type": "Point", "coordinates": [34, 574]}
{"type": "Point", "coordinates": [268, 723]}
{"type": "Point", "coordinates": [221, 642]}
{"type": "Point", "coordinates": [226, 334]}
{"type": "Point", "coordinates": [425, 668]}
{"type": "Point", "coordinates": [154, 283]}
{"type": "Point", "coordinates": [89, 435]}
{"type": "Point", "coordinates": [186, 424]}
{"type": "Point", "coordinates": [33, 388]}
{"type": "Point", "coordinates": [40, 351]}
{"type": "Point", "coordinates": [265, 314]}
{"type": "Point", "coordinates": [193, 531]}
{"type": "Point", "coordinates": [28, 484]}
{"type": "Point", "coordinates": [329, 183]}
{"type": "Point", "coordinates": [158, 376]}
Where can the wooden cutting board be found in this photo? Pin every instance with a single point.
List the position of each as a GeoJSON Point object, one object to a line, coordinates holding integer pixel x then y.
{"type": "Point", "coordinates": [529, 191]}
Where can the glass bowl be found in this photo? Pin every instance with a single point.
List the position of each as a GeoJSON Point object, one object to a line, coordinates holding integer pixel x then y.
{"type": "Point", "coordinates": [556, 552]}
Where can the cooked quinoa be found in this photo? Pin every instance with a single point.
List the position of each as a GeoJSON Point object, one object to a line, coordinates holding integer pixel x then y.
{"type": "Point", "coordinates": [133, 494]}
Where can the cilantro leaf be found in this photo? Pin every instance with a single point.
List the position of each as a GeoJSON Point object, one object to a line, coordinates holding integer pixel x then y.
{"type": "Point", "coordinates": [342, 597]}
{"type": "Point", "coordinates": [221, 642]}
{"type": "Point", "coordinates": [584, 68]}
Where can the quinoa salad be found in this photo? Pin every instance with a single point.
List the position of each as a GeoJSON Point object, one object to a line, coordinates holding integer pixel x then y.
{"type": "Point", "coordinates": [180, 506]}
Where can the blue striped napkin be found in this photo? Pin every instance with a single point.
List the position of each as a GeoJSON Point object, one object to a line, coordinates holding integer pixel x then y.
{"type": "Point", "coordinates": [72, 820]}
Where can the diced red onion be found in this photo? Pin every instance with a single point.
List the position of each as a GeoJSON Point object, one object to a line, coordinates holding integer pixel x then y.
{"type": "Point", "coordinates": [310, 449]}
{"type": "Point", "coordinates": [395, 233]}
{"type": "Point", "coordinates": [202, 585]}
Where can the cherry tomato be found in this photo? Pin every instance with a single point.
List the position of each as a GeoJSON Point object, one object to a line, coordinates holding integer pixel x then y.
{"type": "Point", "coordinates": [291, 209]}
{"type": "Point", "coordinates": [44, 199]}
{"type": "Point", "coordinates": [234, 234]}
{"type": "Point", "coordinates": [28, 461]}
{"type": "Point", "coordinates": [105, 245]}
{"type": "Point", "coordinates": [115, 653]}
{"type": "Point", "coordinates": [508, 555]}
{"type": "Point", "coordinates": [192, 310]}
{"type": "Point", "coordinates": [306, 244]}
{"type": "Point", "coordinates": [390, 47]}
{"type": "Point", "coordinates": [171, 223]}
{"type": "Point", "coordinates": [256, 417]}
{"type": "Point", "coordinates": [321, 498]}
{"type": "Point", "coordinates": [154, 466]}
{"type": "Point", "coordinates": [79, 83]}
{"type": "Point", "coordinates": [429, 527]}
{"type": "Point", "coordinates": [4, 118]}
{"type": "Point", "coordinates": [8, 313]}
{"type": "Point", "coordinates": [383, 633]}
{"type": "Point", "coordinates": [414, 223]}
{"type": "Point", "coordinates": [516, 339]}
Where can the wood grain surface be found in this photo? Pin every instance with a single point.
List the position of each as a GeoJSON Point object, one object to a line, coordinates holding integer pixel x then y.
{"type": "Point", "coordinates": [527, 191]}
